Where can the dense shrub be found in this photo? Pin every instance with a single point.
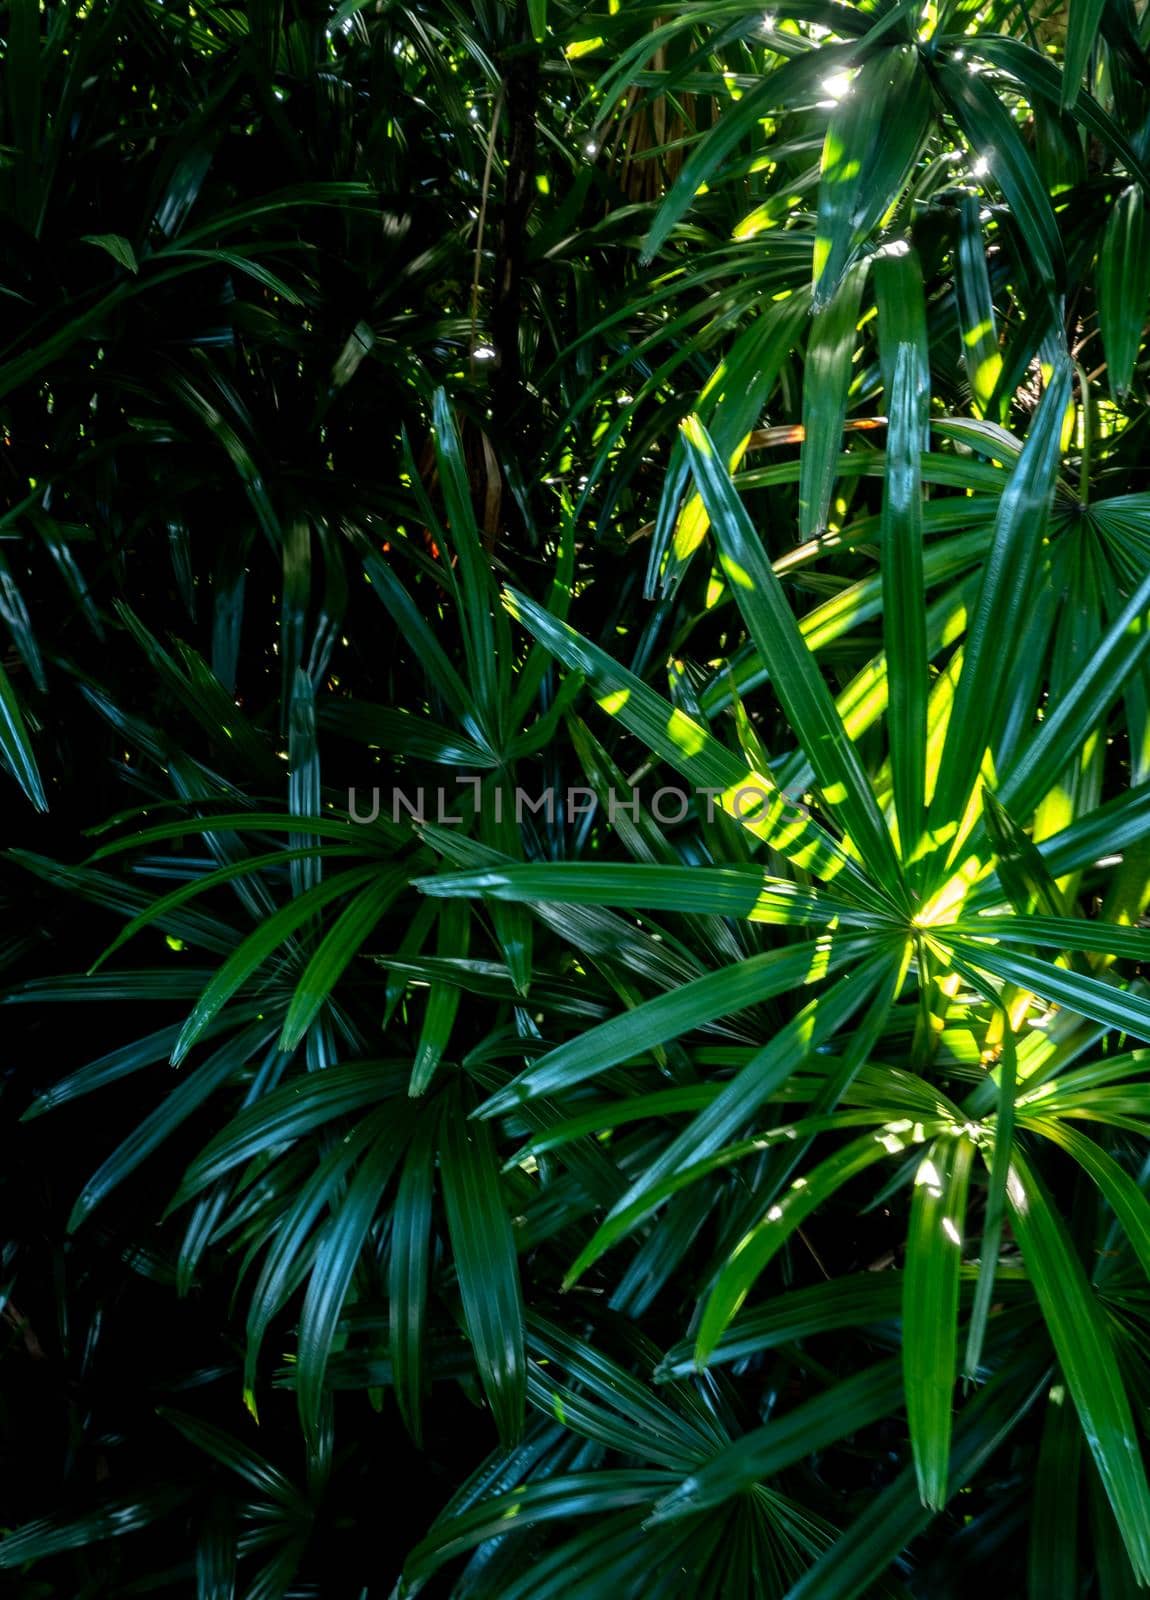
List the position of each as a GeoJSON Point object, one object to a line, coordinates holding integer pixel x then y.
{"type": "Point", "coordinates": [575, 725]}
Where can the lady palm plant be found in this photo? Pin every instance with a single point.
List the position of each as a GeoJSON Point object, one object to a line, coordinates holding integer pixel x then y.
{"type": "Point", "coordinates": [749, 1203]}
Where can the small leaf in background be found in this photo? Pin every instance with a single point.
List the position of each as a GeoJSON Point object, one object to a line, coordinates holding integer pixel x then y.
{"type": "Point", "coordinates": [1081, 38]}
{"type": "Point", "coordinates": [826, 385]}
{"type": "Point", "coordinates": [1053, 1564]}
{"type": "Point", "coordinates": [537, 16]}
{"type": "Point", "coordinates": [1123, 280]}
{"type": "Point", "coordinates": [117, 247]}
{"type": "Point", "coordinates": [992, 132]}
{"type": "Point", "coordinates": [978, 326]}
{"type": "Point", "coordinates": [357, 348]}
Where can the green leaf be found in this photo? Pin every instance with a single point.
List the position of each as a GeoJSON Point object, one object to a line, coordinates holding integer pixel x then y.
{"type": "Point", "coordinates": [807, 1429]}
{"type": "Point", "coordinates": [147, 1051]}
{"type": "Point", "coordinates": [995, 1213]}
{"type": "Point", "coordinates": [413, 626]}
{"type": "Point", "coordinates": [243, 264]}
{"type": "Point", "coordinates": [795, 675]}
{"type": "Point", "coordinates": [826, 385]}
{"type": "Point", "coordinates": [1123, 283]}
{"type": "Point", "coordinates": [409, 1270]}
{"type": "Point", "coordinates": [736, 1104]}
{"type": "Point", "coordinates": [533, 671]}
{"type": "Point", "coordinates": [901, 301]}
{"type": "Point", "coordinates": [537, 18]}
{"type": "Point", "coordinates": [1041, 77]}
{"type": "Point", "coordinates": [500, 827]}
{"type": "Point", "coordinates": [1060, 933]}
{"type": "Point", "coordinates": [730, 404]}
{"type": "Point", "coordinates": [855, 1300]}
{"type": "Point", "coordinates": [50, 1535]}
{"type": "Point", "coordinates": [1089, 997]}
{"type": "Point", "coordinates": [863, 1555]}
{"type": "Point", "coordinates": [117, 247]}
{"type": "Point", "coordinates": [336, 1259]}
{"type": "Point", "coordinates": [259, 946]}
{"type": "Point", "coordinates": [794, 84]}
{"type": "Point", "coordinates": [1052, 1568]}
{"type": "Point", "coordinates": [216, 1555]}
{"type": "Point", "coordinates": [442, 1000]}
{"type": "Point", "coordinates": [292, 1111]}
{"type": "Point", "coordinates": [767, 1236]}
{"type": "Point", "coordinates": [200, 692]}
{"type": "Point", "coordinates": [484, 1250]}
{"type": "Point", "coordinates": [692, 1005]}
{"type": "Point", "coordinates": [1069, 722]}
{"type": "Point", "coordinates": [1116, 1580]}
{"type": "Point", "coordinates": [482, 619]}
{"type": "Point", "coordinates": [294, 1243]}
{"type": "Point", "coordinates": [1004, 594]}
{"type": "Point", "coordinates": [718, 891]}
{"type": "Point", "coordinates": [340, 945]}
{"type": "Point", "coordinates": [904, 601]}
{"type": "Point", "coordinates": [1122, 1192]}
{"type": "Point", "coordinates": [978, 325]}
{"type": "Point", "coordinates": [930, 1308]}
{"type": "Point", "coordinates": [1086, 1355]}
{"type": "Point", "coordinates": [871, 143]}
{"type": "Point", "coordinates": [16, 746]}
{"type": "Point", "coordinates": [992, 131]}
{"type": "Point", "coordinates": [575, 1494]}
{"type": "Point", "coordinates": [160, 910]}
{"type": "Point", "coordinates": [255, 1470]}
{"type": "Point", "coordinates": [625, 1415]}
{"type": "Point", "coordinates": [1081, 36]}
{"type": "Point", "coordinates": [1019, 864]}
{"type": "Point", "coordinates": [694, 753]}
{"type": "Point", "coordinates": [379, 835]}
{"type": "Point", "coordinates": [795, 81]}
{"type": "Point", "coordinates": [401, 733]}
{"type": "Point", "coordinates": [190, 1091]}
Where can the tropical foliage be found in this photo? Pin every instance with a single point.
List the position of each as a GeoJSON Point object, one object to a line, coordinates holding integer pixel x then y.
{"type": "Point", "coordinates": [721, 1172]}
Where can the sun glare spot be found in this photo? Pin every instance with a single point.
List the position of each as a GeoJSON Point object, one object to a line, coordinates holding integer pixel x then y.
{"type": "Point", "coordinates": [687, 734]}
{"type": "Point", "coordinates": [738, 575]}
{"type": "Point", "coordinates": [837, 85]}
